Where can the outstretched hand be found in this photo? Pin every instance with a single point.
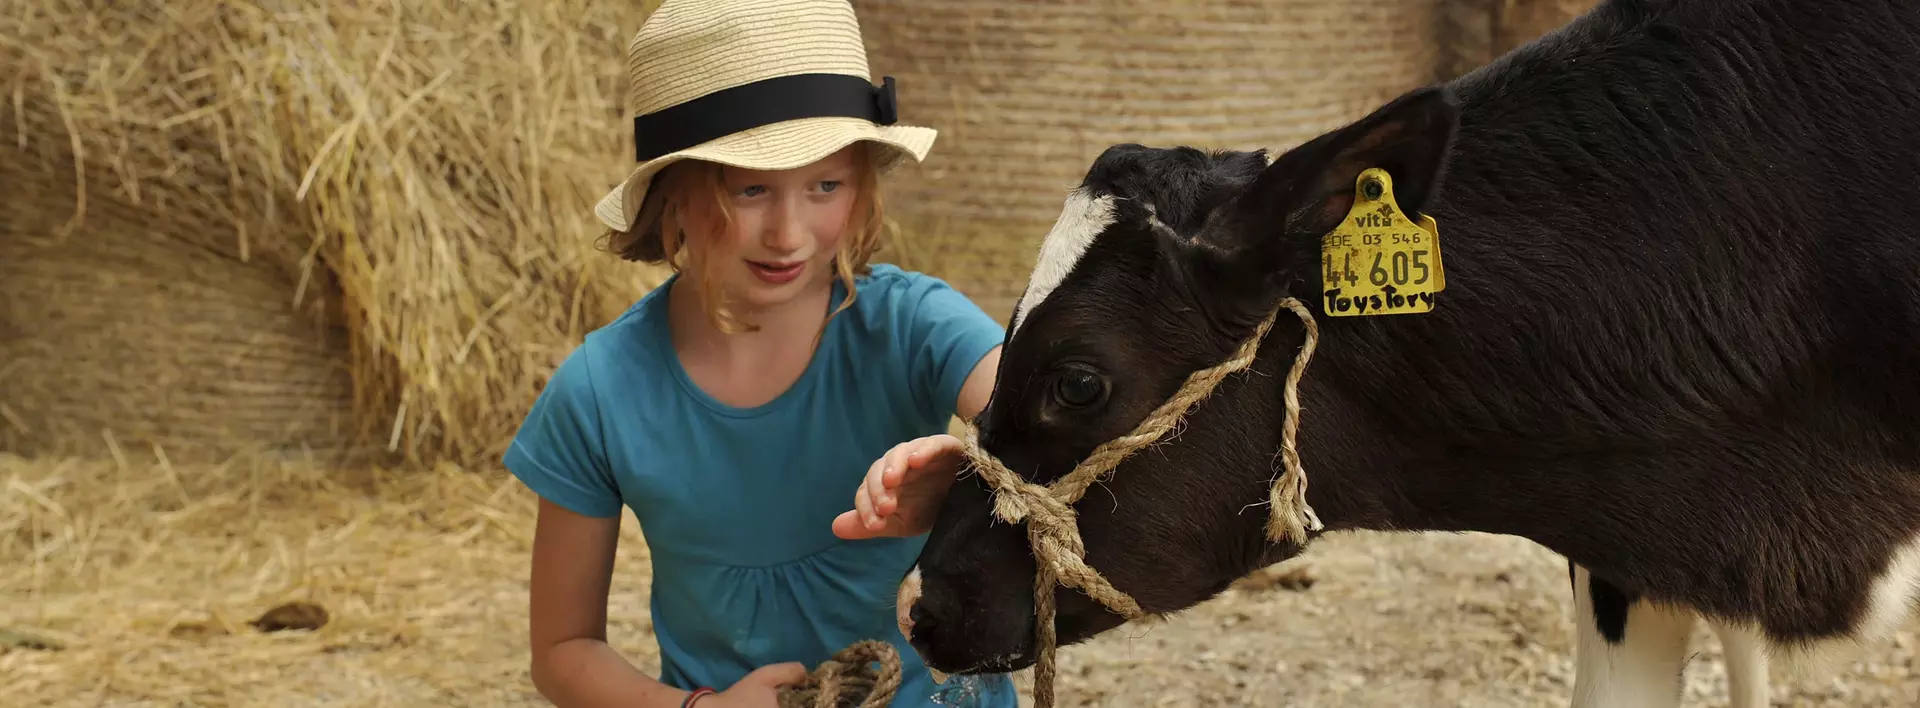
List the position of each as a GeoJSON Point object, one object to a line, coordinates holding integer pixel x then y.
{"type": "Point", "coordinates": [902, 491]}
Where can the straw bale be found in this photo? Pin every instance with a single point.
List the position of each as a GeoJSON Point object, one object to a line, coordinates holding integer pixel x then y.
{"type": "Point", "coordinates": [434, 161]}
{"type": "Point", "coordinates": [1475, 32]}
{"type": "Point", "coordinates": [135, 331]}
{"type": "Point", "coordinates": [1026, 93]}
{"type": "Point", "coordinates": [1465, 36]}
{"type": "Point", "coordinates": [1518, 22]}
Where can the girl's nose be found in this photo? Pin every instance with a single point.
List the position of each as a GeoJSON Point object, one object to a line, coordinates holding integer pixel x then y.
{"type": "Point", "coordinates": [785, 231]}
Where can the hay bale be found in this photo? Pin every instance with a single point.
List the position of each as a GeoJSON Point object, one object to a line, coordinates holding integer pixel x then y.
{"type": "Point", "coordinates": [437, 160]}
{"type": "Point", "coordinates": [1465, 36]}
{"type": "Point", "coordinates": [136, 329]}
{"type": "Point", "coordinates": [1475, 32]}
{"type": "Point", "coordinates": [1026, 93]}
{"type": "Point", "coordinates": [1518, 22]}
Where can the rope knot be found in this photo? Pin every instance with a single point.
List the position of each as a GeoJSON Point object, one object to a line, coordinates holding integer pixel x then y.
{"type": "Point", "coordinates": [1020, 500]}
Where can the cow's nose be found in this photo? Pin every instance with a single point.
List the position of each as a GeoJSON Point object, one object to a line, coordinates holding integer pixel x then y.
{"type": "Point", "coordinates": [926, 628]}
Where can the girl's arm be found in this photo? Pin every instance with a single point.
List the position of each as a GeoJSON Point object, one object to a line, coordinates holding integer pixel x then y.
{"type": "Point", "coordinates": [572, 663]}
{"type": "Point", "coordinates": [979, 386]}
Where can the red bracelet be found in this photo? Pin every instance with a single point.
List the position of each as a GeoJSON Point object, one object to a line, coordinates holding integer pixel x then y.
{"type": "Point", "coordinates": [695, 695]}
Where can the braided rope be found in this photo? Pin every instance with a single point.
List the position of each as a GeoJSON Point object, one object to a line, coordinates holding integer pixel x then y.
{"type": "Point", "coordinates": [1053, 527]}
{"type": "Point", "coordinates": [845, 681]}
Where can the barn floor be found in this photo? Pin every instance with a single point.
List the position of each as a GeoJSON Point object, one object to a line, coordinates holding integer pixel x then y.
{"type": "Point", "coordinates": [134, 587]}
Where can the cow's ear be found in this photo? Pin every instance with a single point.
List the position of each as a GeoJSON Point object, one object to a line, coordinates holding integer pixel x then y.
{"type": "Point", "coordinates": [1309, 189]}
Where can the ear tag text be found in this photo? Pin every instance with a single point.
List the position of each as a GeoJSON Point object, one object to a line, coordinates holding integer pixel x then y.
{"type": "Point", "coordinates": [1377, 261]}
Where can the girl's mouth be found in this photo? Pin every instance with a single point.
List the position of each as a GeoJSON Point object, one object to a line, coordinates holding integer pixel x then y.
{"type": "Point", "coordinates": [776, 273]}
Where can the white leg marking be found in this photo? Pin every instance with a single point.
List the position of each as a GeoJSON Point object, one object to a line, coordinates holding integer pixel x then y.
{"type": "Point", "coordinates": [1645, 670]}
{"type": "Point", "coordinates": [1081, 220]}
{"type": "Point", "coordinates": [1891, 602]}
{"type": "Point", "coordinates": [1895, 595]}
{"type": "Point", "coordinates": [1746, 654]}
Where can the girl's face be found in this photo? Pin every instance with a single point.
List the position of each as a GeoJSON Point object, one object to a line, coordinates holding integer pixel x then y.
{"type": "Point", "coordinates": [787, 226]}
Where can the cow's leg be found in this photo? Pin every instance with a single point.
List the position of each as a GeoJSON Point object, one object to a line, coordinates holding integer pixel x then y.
{"type": "Point", "coordinates": [1747, 673]}
{"type": "Point", "coordinates": [1631, 653]}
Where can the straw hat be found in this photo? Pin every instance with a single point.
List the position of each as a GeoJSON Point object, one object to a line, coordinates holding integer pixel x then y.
{"type": "Point", "coordinates": [759, 84]}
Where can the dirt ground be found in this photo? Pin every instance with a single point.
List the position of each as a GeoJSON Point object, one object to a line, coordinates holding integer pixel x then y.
{"type": "Point", "coordinates": [1413, 620]}
{"type": "Point", "coordinates": [135, 586]}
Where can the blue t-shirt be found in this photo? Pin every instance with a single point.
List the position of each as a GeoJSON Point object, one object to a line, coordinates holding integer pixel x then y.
{"type": "Point", "coordinates": [737, 504]}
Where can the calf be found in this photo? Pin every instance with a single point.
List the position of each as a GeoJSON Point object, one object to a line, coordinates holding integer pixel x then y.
{"type": "Point", "coordinates": [1679, 344]}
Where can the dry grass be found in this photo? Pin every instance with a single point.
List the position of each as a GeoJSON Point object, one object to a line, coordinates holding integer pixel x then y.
{"type": "Point", "coordinates": [148, 578]}
{"type": "Point", "coordinates": [428, 166]}
{"type": "Point", "coordinates": [140, 584]}
{"type": "Point", "coordinates": [994, 75]}
{"type": "Point", "coordinates": [435, 161]}
{"type": "Point", "coordinates": [130, 335]}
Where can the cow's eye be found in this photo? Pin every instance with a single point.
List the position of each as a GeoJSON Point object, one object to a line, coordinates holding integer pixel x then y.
{"type": "Point", "coordinates": [1078, 388]}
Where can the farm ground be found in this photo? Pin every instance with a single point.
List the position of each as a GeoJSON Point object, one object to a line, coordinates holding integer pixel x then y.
{"type": "Point", "coordinates": [134, 587]}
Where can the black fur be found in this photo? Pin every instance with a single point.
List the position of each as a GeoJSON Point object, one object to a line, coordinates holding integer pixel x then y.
{"type": "Point", "coordinates": [1610, 604]}
{"type": "Point", "coordinates": [1679, 342]}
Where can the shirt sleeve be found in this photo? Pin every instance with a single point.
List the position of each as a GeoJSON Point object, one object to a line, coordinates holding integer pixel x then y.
{"type": "Point", "coordinates": [559, 452]}
{"type": "Point", "coordinates": [944, 335]}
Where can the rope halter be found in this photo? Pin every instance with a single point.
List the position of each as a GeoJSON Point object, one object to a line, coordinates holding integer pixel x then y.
{"type": "Point", "coordinates": [1052, 525]}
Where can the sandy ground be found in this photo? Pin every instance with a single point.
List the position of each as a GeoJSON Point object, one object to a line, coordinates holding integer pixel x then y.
{"type": "Point", "coordinates": [1408, 620]}
{"type": "Point", "coordinates": [134, 586]}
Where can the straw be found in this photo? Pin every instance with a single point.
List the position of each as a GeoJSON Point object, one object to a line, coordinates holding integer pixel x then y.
{"type": "Point", "coordinates": [135, 586]}
{"type": "Point", "coordinates": [428, 166]}
{"type": "Point", "coordinates": [128, 335]}
{"type": "Point", "coordinates": [1474, 32]}
{"type": "Point", "coordinates": [1517, 22]}
{"type": "Point", "coordinates": [1026, 94]}
{"type": "Point", "coordinates": [399, 192]}
{"type": "Point", "coordinates": [1465, 35]}
{"type": "Point", "coordinates": [150, 583]}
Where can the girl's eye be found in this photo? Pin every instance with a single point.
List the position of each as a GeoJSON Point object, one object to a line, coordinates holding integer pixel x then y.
{"type": "Point", "coordinates": [753, 191]}
{"type": "Point", "coordinates": [829, 185]}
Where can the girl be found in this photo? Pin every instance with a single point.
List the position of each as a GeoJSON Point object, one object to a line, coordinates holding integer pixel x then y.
{"type": "Point", "coordinates": [735, 407]}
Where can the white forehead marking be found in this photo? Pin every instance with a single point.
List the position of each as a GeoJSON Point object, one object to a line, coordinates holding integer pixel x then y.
{"type": "Point", "coordinates": [1082, 219]}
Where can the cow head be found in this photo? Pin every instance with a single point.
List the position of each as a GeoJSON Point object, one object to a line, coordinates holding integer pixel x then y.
{"type": "Point", "coordinates": [1161, 263]}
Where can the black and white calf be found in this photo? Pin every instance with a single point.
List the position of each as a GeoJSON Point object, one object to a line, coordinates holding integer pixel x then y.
{"type": "Point", "coordinates": [1679, 344]}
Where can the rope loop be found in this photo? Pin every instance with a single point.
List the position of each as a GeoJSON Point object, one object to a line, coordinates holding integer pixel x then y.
{"type": "Point", "coordinates": [1053, 528]}
{"type": "Point", "coordinates": [846, 680]}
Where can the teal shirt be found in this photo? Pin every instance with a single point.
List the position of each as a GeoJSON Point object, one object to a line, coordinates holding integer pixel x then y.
{"type": "Point", "coordinates": [737, 504]}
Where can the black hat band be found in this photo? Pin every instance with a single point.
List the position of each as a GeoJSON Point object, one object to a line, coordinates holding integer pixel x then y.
{"type": "Point", "coordinates": [763, 102]}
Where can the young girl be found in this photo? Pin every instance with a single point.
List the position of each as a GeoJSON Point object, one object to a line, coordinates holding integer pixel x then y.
{"type": "Point", "coordinates": [737, 407]}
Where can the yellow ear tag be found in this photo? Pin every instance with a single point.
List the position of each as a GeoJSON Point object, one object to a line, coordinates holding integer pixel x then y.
{"type": "Point", "coordinates": [1377, 261]}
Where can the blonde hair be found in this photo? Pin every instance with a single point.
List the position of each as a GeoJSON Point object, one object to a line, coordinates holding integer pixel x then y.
{"type": "Point", "coordinates": [687, 200]}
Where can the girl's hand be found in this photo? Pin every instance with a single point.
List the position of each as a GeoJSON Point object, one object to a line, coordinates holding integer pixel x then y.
{"type": "Point", "coordinates": [903, 489]}
{"type": "Point", "coordinates": [758, 689]}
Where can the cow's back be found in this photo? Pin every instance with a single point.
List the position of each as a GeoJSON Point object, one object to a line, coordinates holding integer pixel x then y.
{"type": "Point", "coordinates": [1710, 208]}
